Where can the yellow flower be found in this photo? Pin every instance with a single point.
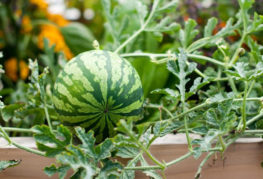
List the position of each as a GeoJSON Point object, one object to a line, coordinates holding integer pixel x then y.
{"type": "Point", "coordinates": [58, 19]}
{"type": "Point", "coordinates": [12, 71]}
{"type": "Point", "coordinates": [18, 12]}
{"type": "Point", "coordinates": [54, 36]}
{"type": "Point", "coordinates": [41, 4]}
{"type": "Point", "coordinates": [26, 24]}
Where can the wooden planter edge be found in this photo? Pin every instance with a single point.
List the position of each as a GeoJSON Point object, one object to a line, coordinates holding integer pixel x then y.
{"type": "Point", "coordinates": [241, 160]}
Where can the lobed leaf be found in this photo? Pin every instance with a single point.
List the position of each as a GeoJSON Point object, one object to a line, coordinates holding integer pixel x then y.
{"type": "Point", "coordinates": [4, 164]}
{"type": "Point", "coordinates": [52, 142]}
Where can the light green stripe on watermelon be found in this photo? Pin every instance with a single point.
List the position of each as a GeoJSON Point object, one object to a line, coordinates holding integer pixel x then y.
{"type": "Point", "coordinates": [95, 90]}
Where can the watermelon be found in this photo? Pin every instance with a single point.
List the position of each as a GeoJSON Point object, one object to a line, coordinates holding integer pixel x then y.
{"type": "Point", "coordinates": [95, 90]}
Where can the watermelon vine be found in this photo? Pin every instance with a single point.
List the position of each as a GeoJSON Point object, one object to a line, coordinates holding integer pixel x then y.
{"type": "Point", "coordinates": [94, 112]}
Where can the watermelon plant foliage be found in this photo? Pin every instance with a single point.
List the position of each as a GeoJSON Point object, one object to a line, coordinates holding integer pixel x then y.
{"type": "Point", "coordinates": [217, 96]}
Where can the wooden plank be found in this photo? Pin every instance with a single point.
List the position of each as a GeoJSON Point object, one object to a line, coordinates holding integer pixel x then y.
{"type": "Point", "coordinates": [241, 160]}
{"type": "Point", "coordinates": [31, 166]}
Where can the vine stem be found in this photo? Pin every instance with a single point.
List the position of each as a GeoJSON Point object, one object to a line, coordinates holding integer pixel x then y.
{"type": "Point", "coordinates": [251, 87]}
{"type": "Point", "coordinates": [259, 131]}
{"type": "Point", "coordinates": [179, 159]}
{"type": "Point", "coordinates": [154, 167]}
{"type": "Point", "coordinates": [197, 175]}
{"type": "Point", "coordinates": [190, 110]}
{"type": "Point", "coordinates": [141, 29]}
{"type": "Point", "coordinates": [47, 116]}
{"type": "Point", "coordinates": [235, 56]}
{"type": "Point", "coordinates": [186, 123]}
{"type": "Point", "coordinates": [147, 152]}
{"type": "Point", "coordinates": [152, 55]}
{"type": "Point", "coordinates": [159, 107]}
{"type": "Point", "coordinates": [255, 118]}
{"type": "Point", "coordinates": [243, 122]}
{"type": "Point", "coordinates": [221, 140]}
{"type": "Point", "coordinates": [15, 129]}
{"type": "Point", "coordinates": [168, 164]}
{"type": "Point", "coordinates": [8, 139]}
{"type": "Point", "coordinates": [232, 84]}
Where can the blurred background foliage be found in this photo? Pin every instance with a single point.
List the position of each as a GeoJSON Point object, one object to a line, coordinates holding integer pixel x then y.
{"type": "Point", "coordinates": [54, 31]}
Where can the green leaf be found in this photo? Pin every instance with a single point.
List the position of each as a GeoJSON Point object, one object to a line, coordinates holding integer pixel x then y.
{"type": "Point", "coordinates": [221, 97]}
{"type": "Point", "coordinates": [87, 140]}
{"type": "Point", "coordinates": [141, 9]}
{"type": "Point", "coordinates": [84, 158]}
{"type": "Point", "coordinates": [49, 59]}
{"type": "Point", "coordinates": [166, 91]}
{"type": "Point", "coordinates": [170, 6]}
{"type": "Point", "coordinates": [180, 69]}
{"type": "Point", "coordinates": [42, 80]}
{"type": "Point", "coordinates": [111, 23]}
{"type": "Point", "coordinates": [4, 164]}
{"type": "Point", "coordinates": [9, 111]}
{"type": "Point", "coordinates": [127, 150]}
{"type": "Point", "coordinates": [246, 4]}
{"type": "Point", "coordinates": [205, 143]}
{"type": "Point", "coordinates": [33, 66]}
{"type": "Point", "coordinates": [198, 84]}
{"type": "Point", "coordinates": [210, 26]}
{"type": "Point", "coordinates": [258, 72]}
{"type": "Point", "coordinates": [165, 25]}
{"type": "Point", "coordinates": [76, 159]}
{"type": "Point", "coordinates": [103, 150]}
{"type": "Point", "coordinates": [159, 127]}
{"type": "Point", "coordinates": [145, 138]}
{"type": "Point", "coordinates": [222, 117]}
{"type": "Point", "coordinates": [212, 40]}
{"type": "Point", "coordinates": [243, 72]}
{"type": "Point", "coordinates": [50, 142]}
{"type": "Point", "coordinates": [256, 25]}
{"type": "Point", "coordinates": [125, 126]}
{"type": "Point", "coordinates": [187, 35]}
{"type": "Point", "coordinates": [254, 49]}
{"type": "Point", "coordinates": [78, 37]}
{"type": "Point", "coordinates": [109, 170]}
{"type": "Point", "coordinates": [61, 170]}
{"type": "Point", "coordinates": [170, 127]}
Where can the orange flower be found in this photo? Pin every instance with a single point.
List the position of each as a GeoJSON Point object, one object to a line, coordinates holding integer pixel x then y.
{"type": "Point", "coordinates": [218, 27]}
{"type": "Point", "coordinates": [52, 33]}
{"type": "Point", "coordinates": [26, 25]}
{"type": "Point", "coordinates": [41, 4]}
{"type": "Point", "coordinates": [12, 71]}
{"type": "Point", "coordinates": [58, 19]}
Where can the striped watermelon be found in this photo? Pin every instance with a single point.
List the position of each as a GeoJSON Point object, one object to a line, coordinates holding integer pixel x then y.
{"type": "Point", "coordinates": [96, 89]}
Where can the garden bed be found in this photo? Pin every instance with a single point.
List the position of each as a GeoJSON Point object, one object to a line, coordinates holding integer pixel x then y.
{"type": "Point", "coordinates": [242, 160]}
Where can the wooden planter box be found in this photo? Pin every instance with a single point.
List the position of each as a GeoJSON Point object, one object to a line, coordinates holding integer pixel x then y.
{"type": "Point", "coordinates": [242, 160]}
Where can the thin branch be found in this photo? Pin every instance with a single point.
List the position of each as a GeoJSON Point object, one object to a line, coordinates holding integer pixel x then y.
{"type": "Point", "coordinates": [7, 138]}
{"type": "Point", "coordinates": [140, 30]}
{"type": "Point", "coordinates": [160, 55]}
{"type": "Point", "coordinates": [185, 156]}
{"type": "Point", "coordinates": [157, 106]}
{"type": "Point", "coordinates": [257, 117]}
{"type": "Point", "coordinates": [15, 129]}
{"type": "Point", "coordinates": [197, 175]}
